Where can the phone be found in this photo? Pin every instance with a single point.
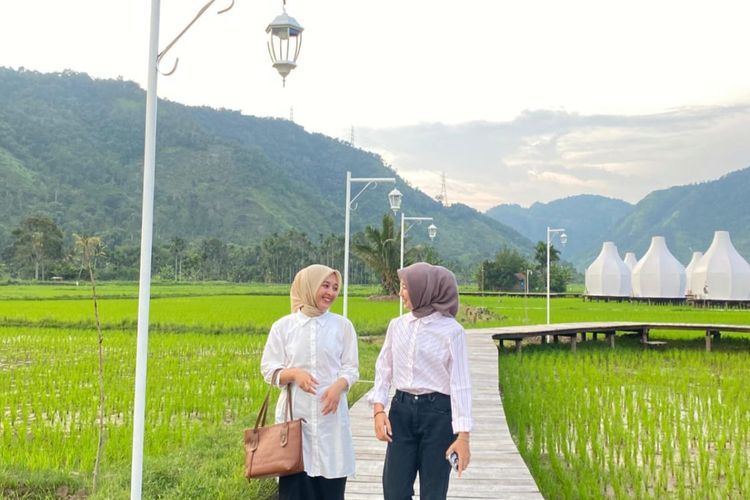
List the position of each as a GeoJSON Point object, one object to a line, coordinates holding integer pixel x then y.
{"type": "Point", "coordinates": [453, 460]}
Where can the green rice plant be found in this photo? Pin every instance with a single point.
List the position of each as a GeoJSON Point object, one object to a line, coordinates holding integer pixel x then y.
{"type": "Point", "coordinates": [202, 389]}
{"type": "Point", "coordinates": [629, 423]}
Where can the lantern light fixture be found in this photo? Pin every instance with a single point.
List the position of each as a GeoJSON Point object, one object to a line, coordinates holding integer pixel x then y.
{"type": "Point", "coordinates": [284, 43]}
{"type": "Point", "coordinates": [394, 199]}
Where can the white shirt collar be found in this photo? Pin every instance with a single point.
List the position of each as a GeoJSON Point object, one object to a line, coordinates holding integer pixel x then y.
{"type": "Point", "coordinates": [304, 319]}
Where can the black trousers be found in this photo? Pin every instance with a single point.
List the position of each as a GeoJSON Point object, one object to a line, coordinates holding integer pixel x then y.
{"type": "Point", "coordinates": [422, 432]}
{"type": "Point", "coordinates": [303, 487]}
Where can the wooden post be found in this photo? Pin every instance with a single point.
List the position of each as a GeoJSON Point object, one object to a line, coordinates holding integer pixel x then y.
{"type": "Point", "coordinates": [573, 342]}
{"type": "Point", "coordinates": [518, 346]}
{"type": "Point", "coordinates": [708, 340]}
{"type": "Point", "coordinates": [611, 338]}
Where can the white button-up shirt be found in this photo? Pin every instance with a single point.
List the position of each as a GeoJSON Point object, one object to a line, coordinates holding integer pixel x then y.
{"type": "Point", "coordinates": [422, 355]}
{"type": "Point", "coordinates": [325, 346]}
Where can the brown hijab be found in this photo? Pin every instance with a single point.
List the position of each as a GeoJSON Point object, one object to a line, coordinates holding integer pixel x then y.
{"type": "Point", "coordinates": [431, 288]}
{"type": "Point", "coordinates": [306, 284]}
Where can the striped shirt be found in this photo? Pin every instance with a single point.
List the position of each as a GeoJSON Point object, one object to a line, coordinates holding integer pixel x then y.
{"type": "Point", "coordinates": [423, 355]}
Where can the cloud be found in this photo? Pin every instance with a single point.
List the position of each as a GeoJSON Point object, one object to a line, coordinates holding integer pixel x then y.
{"type": "Point", "coordinates": [543, 155]}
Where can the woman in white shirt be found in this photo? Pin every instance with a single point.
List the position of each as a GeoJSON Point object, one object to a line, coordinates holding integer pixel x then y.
{"type": "Point", "coordinates": [424, 357]}
{"type": "Point", "coordinates": [315, 351]}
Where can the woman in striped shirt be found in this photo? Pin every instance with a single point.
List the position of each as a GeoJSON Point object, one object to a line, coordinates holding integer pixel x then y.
{"type": "Point", "coordinates": [424, 358]}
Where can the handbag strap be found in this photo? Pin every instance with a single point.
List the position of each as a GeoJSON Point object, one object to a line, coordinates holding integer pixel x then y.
{"type": "Point", "coordinates": [261, 420]}
{"type": "Point", "coordinates": [289, 402]}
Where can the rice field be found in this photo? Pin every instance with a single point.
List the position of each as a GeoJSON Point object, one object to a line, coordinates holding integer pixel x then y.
{"type": "Point", "coordinates": [204, 388]}
{"type": "Point", "coordinates": [601, 423]}
{"type": "Point", "coordinates": [629, 423]}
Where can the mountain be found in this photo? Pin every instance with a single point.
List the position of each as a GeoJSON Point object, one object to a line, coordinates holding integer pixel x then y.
{"type": "Point", "coordinates": [585, 218]}
{"type": "Point", "coordinates": [72, 147]}
{"type": "Point", "coordinates": [687, 217]}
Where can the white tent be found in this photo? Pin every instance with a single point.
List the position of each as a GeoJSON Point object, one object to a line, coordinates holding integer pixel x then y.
{"type": "Point", "coordinates": [608, 275]}
{"type": "Point", "coordinates": [689, 272]}
{"type": "Point", "coordinates": [722, 273]}
{"type": "Point", "coordinates": [658, 273]}
{"type": "Point", "coordinates": [630, 260]}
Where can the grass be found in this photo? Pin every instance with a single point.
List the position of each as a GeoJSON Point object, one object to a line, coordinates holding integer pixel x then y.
{"type": "Point", "coordinates": [159, 289]}
{"type": "Point", "coordinates": [630, 423]}
{"type": "Point", "coordinates": [205, 388]}
{"type": "Point", "coordinates": [209, 312]}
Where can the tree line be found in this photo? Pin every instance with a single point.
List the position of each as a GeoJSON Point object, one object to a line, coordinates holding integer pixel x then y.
{"type": "Point", "coordinates": [40, 250]}
{"type": "Point", "coordinates": [511, 271]}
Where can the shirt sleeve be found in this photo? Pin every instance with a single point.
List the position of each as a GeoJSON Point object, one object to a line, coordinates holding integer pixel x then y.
{"type": "Point", "coordinates": [460, 382]}
{"type": "Point", "coordinates": [350, 355]}
{"type": "Point", "coordinates": [274, 355]}
{"type": "Point", "coordinates": [383, 371]}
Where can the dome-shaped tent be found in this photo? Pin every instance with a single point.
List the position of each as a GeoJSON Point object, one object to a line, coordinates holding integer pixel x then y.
{"type": "Point", "coordinates": [658, 273]}
{"type": "Point", "coordinates": [630, 260]}
{"type": "Point", "coordinates": [689, 272]}
{"type": "Point", "coordinates": [608, 275]}
{"type": "Point", "coordinates": [722, 273]}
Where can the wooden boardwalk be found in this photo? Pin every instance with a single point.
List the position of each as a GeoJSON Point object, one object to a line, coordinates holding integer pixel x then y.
{"type": "Point", "coordinates": [610, 328]}
{"type": "Point", "coordinates": [496, 472]}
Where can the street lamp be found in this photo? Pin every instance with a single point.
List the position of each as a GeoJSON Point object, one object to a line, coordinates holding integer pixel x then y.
{"type": "Point", "coordinates": [276, 34]}
{"type": "Point", "coordinates": [528, 273]}
{"type": "Point", "coordinates": [394, 199]}
{"type": "Point", "coordinates": [431, 232]}
{"type": "Point", "coordinates": [563, 240]}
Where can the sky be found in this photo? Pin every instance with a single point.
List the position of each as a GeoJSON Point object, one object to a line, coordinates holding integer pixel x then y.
{"type": "Point", "coordinates": [513, 102]}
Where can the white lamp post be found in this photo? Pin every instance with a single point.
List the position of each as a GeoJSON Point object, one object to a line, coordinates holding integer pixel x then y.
{"type": "Point", "coordinates": [563, 239]}
{"type": "Point", "coordinates": [147, 218]}
{"type": "Point", "coordinates": [431, 232]}
{"type": "Point", "coordinates": [528, 273]}
{"type": "Point", "coordinates": [394, 199]}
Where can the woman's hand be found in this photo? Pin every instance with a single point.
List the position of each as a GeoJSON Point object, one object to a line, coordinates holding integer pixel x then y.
{"type": "Point", "coordinates": [461, 447]}
{"type": "Point", "coordinates": [331, 396]}
{"type": "Point", "coordinates": [303, 379]}
{"type": "Point", "coordinates": [382, 424]}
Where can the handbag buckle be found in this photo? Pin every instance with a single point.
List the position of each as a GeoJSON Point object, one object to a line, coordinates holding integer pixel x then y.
{"type": "Point", "coordinates": [284, 434]}
{"type": "Point", "coordinates": [253, 440]}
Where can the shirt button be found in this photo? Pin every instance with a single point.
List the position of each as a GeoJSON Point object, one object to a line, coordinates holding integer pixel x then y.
{"type": "Point", "coordinates": [416, 397]}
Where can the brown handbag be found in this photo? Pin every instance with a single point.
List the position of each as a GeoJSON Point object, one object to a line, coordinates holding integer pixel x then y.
{"type": "Point", "coordinates": [275, 450]}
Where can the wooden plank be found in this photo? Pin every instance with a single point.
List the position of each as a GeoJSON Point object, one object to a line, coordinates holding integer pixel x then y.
{"type": "Point", "coordinates": [496, 472]}
{"type": "Point", "coordinates": [609, 329]}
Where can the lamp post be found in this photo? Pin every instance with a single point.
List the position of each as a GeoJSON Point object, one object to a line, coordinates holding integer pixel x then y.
{"type": "Point", "coordinates": [431, 232]}
{"type": "Point", "coordinates": [281, 36]}
{"type": "Point", "coordinates": [394, 199]}
{"type": "Point", "coordinates": [528, 273]}
{"type": "Point", "coordinates": [563, 239]}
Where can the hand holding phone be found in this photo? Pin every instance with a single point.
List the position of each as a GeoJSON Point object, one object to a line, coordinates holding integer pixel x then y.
{"type": "Point", "coordinates": [453, 460]}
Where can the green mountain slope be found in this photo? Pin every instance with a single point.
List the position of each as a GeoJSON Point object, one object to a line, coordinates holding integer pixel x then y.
{"type": "Point", "coordinates": [585, 218]}
{"type": "Point", "coordinates": [72, 147]}
{"type": "Point", "coordinates": [687, 217]}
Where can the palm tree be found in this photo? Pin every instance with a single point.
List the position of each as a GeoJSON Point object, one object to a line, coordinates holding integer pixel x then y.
{"type": "Point", "coordinates": [380, 250]}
